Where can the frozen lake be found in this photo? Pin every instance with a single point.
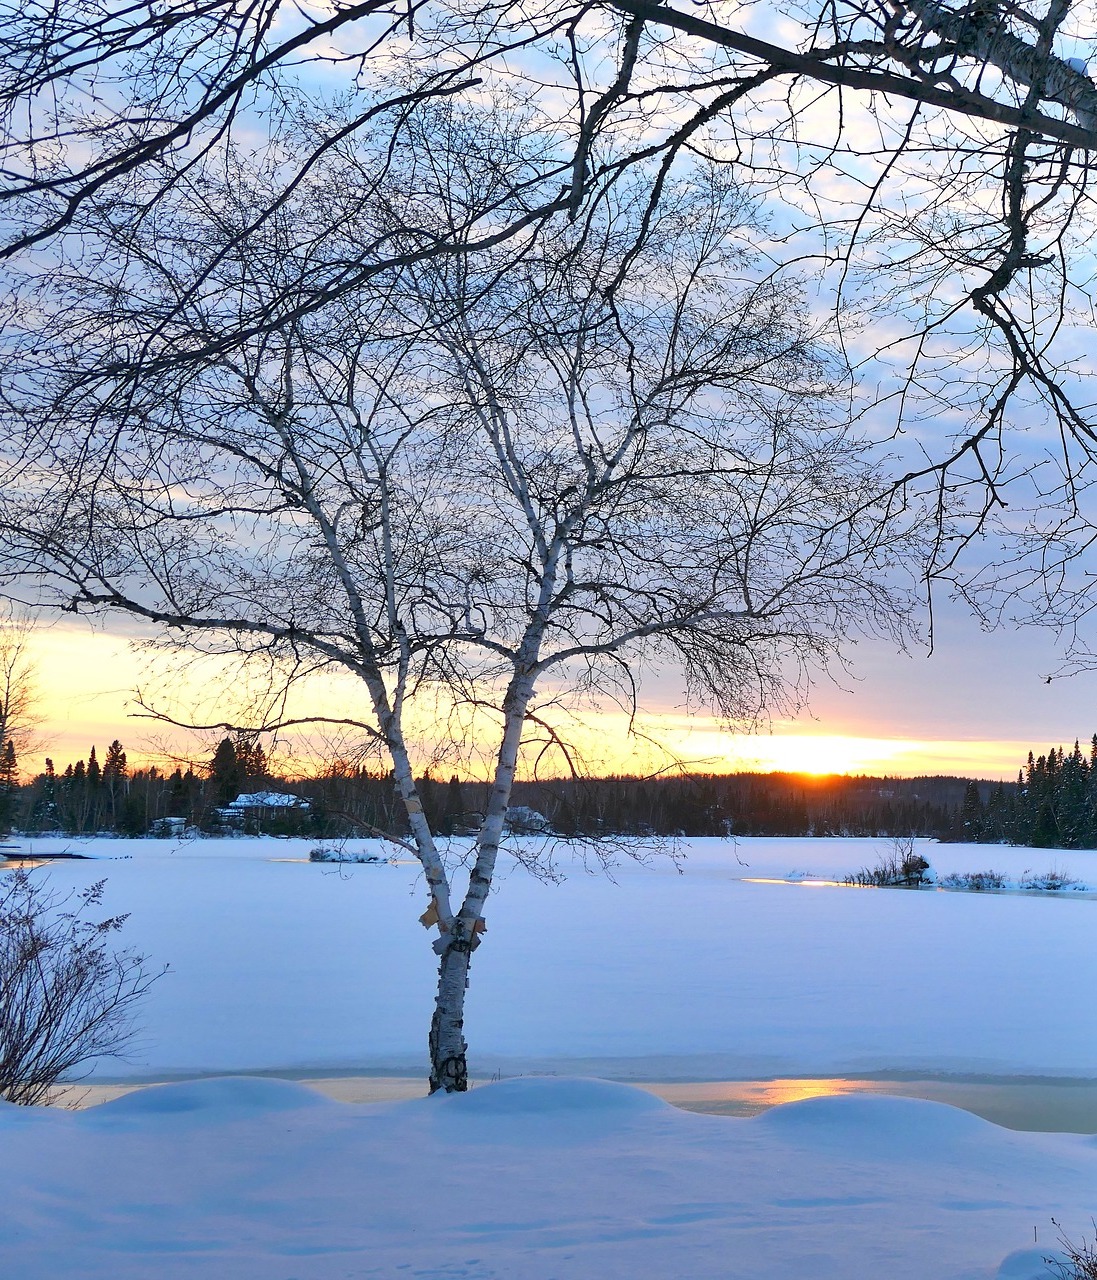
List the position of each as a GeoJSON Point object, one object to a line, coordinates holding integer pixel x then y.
{"type": "Point", "coordinates": [279, 965]}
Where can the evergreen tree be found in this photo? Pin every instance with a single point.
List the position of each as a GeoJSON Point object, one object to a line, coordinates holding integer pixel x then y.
{"type": "Point", "coordinates": [998, 818]}
{"type": "Point", "coordinates": [455, 806]}
{"type": "Point", "coordinates": [9, 785]}
{"type": "Point", "coordinates": [225, 772]}
{"type": "Point", "coordinates": [114, 767]}
{"type": "Point", "coordinates": [251, 760]}
{"type": "Point", "coordinates": [44, 815]}
{"type": "Point", "coordinates": [1045, 833]}
{"type": "Point", "coordinates": [971, 813]}
{"type": "Point", "coordinates": [1070, 797]}
{"type": "Point", "coordinates": [176, 795]}
{"type": "Point", "coordinates": [74, 798]}
{"type": "Point", "coordinates": [113, 783]}
{"type": "Point", "coordinates": [428, 794]}
{"type": "Point", "coordinates": [257, 768]}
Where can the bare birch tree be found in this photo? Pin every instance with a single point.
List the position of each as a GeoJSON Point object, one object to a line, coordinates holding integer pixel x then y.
{"type": "Point", "coordinates": [479, 481]}
{"type": "Point", "coordinates": [19, 715]}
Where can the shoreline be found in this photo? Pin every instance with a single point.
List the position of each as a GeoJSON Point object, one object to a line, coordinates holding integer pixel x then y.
{"type": "Point", "coordinates": [1041, 1104]}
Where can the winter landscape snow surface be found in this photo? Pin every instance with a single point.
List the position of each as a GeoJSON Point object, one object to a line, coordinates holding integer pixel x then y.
{"type": "Point", "coordinates": [283, 965]}
{"type": "Point", "coordinates": [279, 964]}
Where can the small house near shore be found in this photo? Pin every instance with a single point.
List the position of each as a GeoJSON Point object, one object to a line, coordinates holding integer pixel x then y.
{"type": "Point", "coordinates": [258, 811]}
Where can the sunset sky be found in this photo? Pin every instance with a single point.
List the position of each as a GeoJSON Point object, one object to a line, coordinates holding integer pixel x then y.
{"type": "Point", "coordinates": [975, 706]}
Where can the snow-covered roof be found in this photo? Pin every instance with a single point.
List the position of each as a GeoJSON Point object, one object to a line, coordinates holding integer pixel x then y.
{"type": "Point", "coordinates": [521, 817]}
{"type": "Point", "coordinates": [268, 800]}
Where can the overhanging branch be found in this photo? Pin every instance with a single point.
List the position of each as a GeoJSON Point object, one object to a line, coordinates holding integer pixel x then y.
{"type": "Point", "coordinates": [818, 67]}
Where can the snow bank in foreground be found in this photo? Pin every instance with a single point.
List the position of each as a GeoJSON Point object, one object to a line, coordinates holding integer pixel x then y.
{"type": "Point", "coordinates": [538, 1179]}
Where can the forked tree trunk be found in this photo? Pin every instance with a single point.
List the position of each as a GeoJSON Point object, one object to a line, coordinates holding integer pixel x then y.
{"type": "Point", "coordinates": [458, 940]}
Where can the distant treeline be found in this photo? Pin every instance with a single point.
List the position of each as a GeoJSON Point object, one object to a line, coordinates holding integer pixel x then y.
{"type": "Point", "coordinates": [750, 804]}
{"type": "Point", "coordinates": [93, 796]}
{"type": "Point", "coordinates": [1053, 804]}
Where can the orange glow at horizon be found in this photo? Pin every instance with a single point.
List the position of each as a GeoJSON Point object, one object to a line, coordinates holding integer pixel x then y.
{"type": "Point", "coordinates": [87, 681]}
{"type": "Point", "coordinates": [702, 745]}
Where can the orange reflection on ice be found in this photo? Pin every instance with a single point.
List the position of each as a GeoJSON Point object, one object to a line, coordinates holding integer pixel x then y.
{"type": "Point", "coordinates": [829, 884]}
{"type": "Point", "coordinates": [748, 1097]}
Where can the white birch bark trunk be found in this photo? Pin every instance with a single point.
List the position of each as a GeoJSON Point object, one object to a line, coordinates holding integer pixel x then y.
{"type": "Point", "coordinates": [448, 1048]}
{"type": "Point", "coordinates": [1030, 65]}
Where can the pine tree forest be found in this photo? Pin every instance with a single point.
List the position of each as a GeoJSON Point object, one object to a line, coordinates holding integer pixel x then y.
{"type": "Point", "coordinates": [1053, 803]}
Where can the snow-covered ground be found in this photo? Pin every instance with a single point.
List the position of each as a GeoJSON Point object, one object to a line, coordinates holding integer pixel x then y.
{"type": "Point", "coordinates": [284, 965]}
{"type": "Point", "coordinates": [527, 1180]}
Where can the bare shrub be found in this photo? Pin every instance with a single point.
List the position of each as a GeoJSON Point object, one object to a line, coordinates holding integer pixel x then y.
{"type": "Point", "coordinates": [975, 881]}
{"type": "Point", "coordinates": [67, 996]}
{"type": "Point", "coordinates": [901, 867]}
{"type": "Point", "coordinates": [1081, 1259]}
{"type": "Point", "coordinates": [1052, 881]}
{"type": "Point", "coordinates": [340, 853]}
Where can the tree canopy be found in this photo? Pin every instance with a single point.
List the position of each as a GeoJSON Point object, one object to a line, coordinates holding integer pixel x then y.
{"type": "Point", "coordinates": [926, 163]}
